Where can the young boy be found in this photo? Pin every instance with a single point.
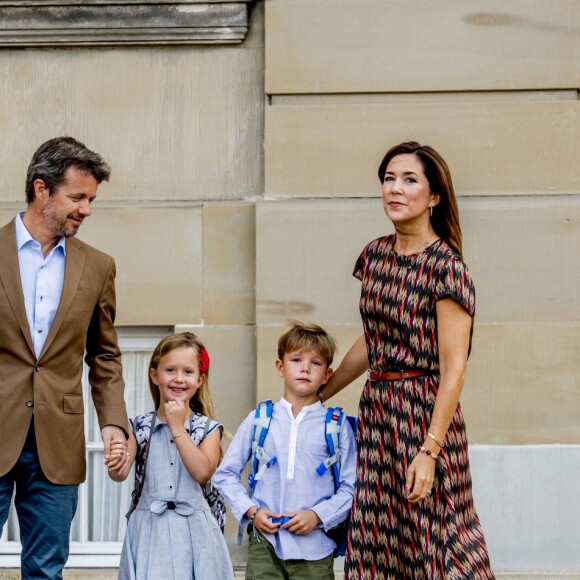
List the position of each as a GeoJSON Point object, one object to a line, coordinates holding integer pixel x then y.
{"type": "Point", "coordinates": [291, 487]}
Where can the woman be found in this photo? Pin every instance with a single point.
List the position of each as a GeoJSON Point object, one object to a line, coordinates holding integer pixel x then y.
{"type": "Point", "coordinates": [413, 515]}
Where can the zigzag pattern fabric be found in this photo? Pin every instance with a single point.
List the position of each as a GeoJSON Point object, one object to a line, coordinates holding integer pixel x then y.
{"type": "Point", "coordinates": [440, 537]}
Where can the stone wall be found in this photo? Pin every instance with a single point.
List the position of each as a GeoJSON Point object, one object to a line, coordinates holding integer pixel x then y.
{"type": "Point", "coordinates": [244, 187]}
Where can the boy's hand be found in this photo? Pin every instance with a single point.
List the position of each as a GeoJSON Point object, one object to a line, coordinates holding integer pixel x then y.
{"type": "Point", "coordinates": [302, 522]}
{"type": "Point", "coordinates": [262, 521]}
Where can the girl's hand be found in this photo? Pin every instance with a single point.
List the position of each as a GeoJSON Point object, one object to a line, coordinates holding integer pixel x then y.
{"type": "Point", "coordinates": [302, 522]}
{"type": "Point", "coordinates": [176, 413]}
{"type": "Point", "coordinates": [117, 455]}
{"type": "Point", "coordinates": [420, 477]}
{"type": "Point", "coordinates": [121, 457]}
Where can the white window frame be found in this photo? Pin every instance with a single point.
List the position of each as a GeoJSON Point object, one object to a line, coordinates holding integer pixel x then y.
{"type": "Point", "coordinates": [85, 553]}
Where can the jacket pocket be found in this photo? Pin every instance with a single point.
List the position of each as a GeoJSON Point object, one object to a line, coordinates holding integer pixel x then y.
{"type": "Point", "coordinates": [73, 404]}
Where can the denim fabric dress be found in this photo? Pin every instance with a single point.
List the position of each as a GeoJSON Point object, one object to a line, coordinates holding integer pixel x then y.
{"type": "Point", "coordinates": [172, 534]}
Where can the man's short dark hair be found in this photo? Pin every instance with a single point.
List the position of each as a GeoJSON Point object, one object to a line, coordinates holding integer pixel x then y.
{"type": "Point", "coordinates": [52, 159]}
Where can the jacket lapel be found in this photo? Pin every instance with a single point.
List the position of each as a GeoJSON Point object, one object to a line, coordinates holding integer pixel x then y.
{"type": "Point", "coordinates": [75, 261]}
{"type": "Point", "coordinates": [10, 277]}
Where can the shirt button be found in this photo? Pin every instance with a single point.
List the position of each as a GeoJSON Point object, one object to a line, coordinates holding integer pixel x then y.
{"type": "Point", "coordinates": [29, 403]}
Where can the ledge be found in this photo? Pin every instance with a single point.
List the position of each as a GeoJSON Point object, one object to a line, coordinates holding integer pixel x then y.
{"type": "Point", "coordinates": [109, 23]}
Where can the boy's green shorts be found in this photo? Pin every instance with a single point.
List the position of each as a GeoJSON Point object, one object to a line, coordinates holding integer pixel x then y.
{"type": "Point", "coordinates": [263, 563]}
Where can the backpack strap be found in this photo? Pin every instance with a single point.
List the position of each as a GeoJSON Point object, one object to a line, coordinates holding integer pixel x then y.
{"type": "Point", "coordinates": [208, 487]}
{"type": "Point", "coordinates": [260, 460]}
{"type": "Point", "coordinates": [334, 419]}
{"type": "Point", "coordinates": [143, 444]}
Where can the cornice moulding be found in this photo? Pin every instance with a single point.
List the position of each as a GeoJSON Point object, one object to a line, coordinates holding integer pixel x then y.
{"type": "Point", "coordinates": [110, 23]}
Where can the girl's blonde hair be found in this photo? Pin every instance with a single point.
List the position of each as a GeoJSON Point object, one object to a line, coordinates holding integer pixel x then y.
{"type": "Point", "coordinates": [201, 402]}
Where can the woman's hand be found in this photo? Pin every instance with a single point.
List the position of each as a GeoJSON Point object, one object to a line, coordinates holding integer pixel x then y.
{"type": "Point", "coordinates": [353, 365]}
{"type": "Point", "coordinates": [420, 477]}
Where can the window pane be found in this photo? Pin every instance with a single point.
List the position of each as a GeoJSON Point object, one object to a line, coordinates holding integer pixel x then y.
{"type": "Point", "coordinates": [108, 502]}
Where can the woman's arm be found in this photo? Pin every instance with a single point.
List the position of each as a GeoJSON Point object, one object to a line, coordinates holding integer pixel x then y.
{"type": "Point", "coordinates": [453, 332]}
{"type": "Point", "coordinates": [353, 365]}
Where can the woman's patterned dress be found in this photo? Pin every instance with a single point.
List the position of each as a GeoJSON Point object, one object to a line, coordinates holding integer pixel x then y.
{"type": "Point", "coordinates": [439, 537]}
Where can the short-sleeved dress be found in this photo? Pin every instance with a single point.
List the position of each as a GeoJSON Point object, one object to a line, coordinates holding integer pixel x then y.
{"type": "Point", "coordinates": [172, 534]}
{"type": "Point", "coordinates": [439, 537]}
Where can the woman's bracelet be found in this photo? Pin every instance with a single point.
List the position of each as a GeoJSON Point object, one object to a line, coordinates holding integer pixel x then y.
{"type": "Point", "coordinates": [178, 435]}
{"type": "Point", "coordinates": [435, 439]}
{"type": "Point", "coordinates": [254, 515]}
{"type": "Point", "coordinates": [320, 395]}
{"type": "Point", "coordinates": [429, 453]}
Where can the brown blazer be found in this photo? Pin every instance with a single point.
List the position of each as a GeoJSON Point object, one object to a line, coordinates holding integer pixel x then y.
{"type": "Point", "coordinates": [51, 385]}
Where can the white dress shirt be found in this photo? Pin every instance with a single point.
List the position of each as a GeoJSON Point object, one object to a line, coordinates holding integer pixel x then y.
{"type": "Point", "coordinates": [292, 483]}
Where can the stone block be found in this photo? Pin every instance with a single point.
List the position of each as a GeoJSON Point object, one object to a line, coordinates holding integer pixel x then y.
{"type": "Point", "coordinates": [145, 113]}
{"type": "Point", "coordinates": [522, 254]}
{"type": "Point", "coordinates": [305, 253]}
{"type": "Point", "coordinates": [522, 384]}
{"type": "Point", "coordinates": [526, 502]}
{"type": "Point", "coordinates": [340, 46]}
{"type": "Point", "coordinates": [492, 147]}
{"type": "Point", "coordinates": [158, 253]}
{"type": "Point", "coordinates": [229, 260]}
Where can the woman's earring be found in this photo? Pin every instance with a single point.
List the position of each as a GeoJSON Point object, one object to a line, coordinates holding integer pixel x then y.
{"type": "Point", "coordinates": [431, 210]}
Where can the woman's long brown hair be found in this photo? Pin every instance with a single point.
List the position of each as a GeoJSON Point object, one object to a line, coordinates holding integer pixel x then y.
{"type": "Point", "coordinates": [445, 216]}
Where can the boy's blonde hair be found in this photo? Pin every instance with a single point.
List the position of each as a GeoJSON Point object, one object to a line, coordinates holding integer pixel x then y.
{"type": "Point", "coordinates": [307, 336]}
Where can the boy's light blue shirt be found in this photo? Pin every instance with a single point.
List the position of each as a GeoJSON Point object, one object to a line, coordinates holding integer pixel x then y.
{"type": "Point", "coordinates": [292, 483]}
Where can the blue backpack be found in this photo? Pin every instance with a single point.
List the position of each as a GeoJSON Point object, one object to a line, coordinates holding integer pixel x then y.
{"type": "Point", "coordinates": [335, 418]}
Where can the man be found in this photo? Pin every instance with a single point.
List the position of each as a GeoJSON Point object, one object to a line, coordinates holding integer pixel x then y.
{"type": "Point", "coordinates": [57, 305]}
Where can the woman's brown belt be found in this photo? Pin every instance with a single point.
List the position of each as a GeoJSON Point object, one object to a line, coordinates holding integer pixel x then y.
{"type": "Point", "coordinates": [397, 375]}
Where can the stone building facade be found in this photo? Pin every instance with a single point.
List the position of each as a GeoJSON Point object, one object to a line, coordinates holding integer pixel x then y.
{"type": "Point", "coordinates": [244, 139]}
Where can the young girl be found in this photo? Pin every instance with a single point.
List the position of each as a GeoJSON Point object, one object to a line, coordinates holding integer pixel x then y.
{"type": "Point", "coordinates": [172, 534]}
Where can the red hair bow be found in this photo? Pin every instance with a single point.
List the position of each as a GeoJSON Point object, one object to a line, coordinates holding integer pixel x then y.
{"type": "Point", "coordinates": [203, 361]}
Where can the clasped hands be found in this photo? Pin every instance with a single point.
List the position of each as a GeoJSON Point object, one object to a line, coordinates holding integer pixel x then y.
{"type": "Point", "coordinates": [301, 522]}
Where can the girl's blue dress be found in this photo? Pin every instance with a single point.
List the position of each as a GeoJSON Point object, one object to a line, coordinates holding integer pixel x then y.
{"type": "Point", "coordinates": [172, 534]}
